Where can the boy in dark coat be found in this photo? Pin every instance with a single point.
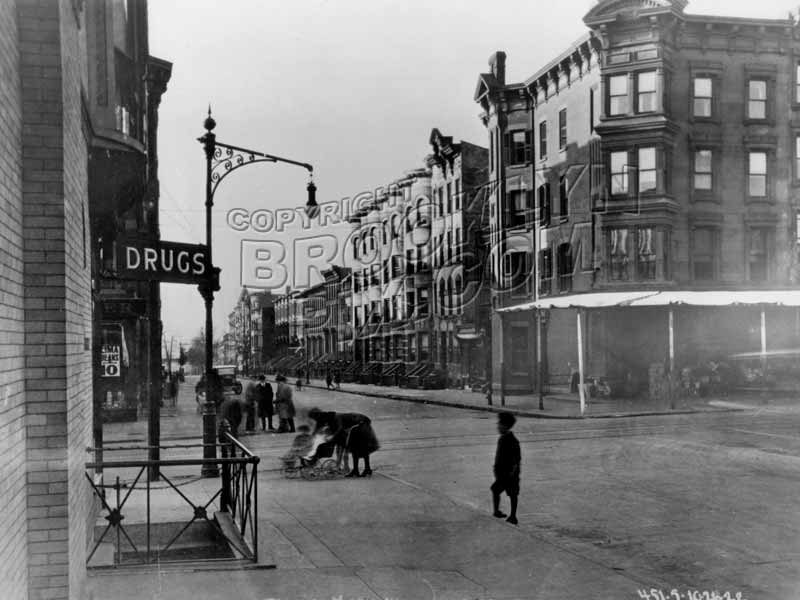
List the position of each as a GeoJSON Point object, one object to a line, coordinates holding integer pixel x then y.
{"type": "Point", "coordinates": [506, 467]}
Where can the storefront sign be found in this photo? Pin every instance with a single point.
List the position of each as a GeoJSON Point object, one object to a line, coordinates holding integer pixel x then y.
{"type": "Point", "coordinates": [110, 360]}
{"type": "Point", "coordinates": [123, 308]}
{"type": "Point", "coordinates": [169, 262]}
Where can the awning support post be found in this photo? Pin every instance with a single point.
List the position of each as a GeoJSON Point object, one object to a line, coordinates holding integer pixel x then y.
{"type": "Point", "coordinates": [763, 343]}
{"type": "Point", "coordinates": [580, 361]}
{"type": "Point", "coordinates": [671, 341]}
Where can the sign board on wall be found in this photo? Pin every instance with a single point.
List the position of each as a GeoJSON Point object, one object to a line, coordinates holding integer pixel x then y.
{"type": "Point", "coordinates": [170, 262]}
{"type": "Point", "coordinates": [110, 355]}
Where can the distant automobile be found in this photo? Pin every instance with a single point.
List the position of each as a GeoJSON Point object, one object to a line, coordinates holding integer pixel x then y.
{"type": "Point", "coordinates": [230, 383]}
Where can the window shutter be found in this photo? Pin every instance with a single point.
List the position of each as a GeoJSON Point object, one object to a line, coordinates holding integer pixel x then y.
{"type": "Point", "coordinates": [528, 146]}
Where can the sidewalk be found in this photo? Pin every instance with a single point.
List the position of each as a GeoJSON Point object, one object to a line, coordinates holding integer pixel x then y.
{"type": "Point", "coordinates": [558, 404]}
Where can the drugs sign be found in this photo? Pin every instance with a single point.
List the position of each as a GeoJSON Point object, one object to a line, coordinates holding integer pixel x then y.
{"type": "Point", "coordinates": [163, 261]}
{"type": "Point", "coordinates": [110, 360]}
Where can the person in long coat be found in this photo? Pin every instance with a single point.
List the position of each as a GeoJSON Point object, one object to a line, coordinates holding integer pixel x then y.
{"type": "Point", "coordinates": [265, 396]}
{"type": "Point", "coordinates": [284, 405]}
{"type": "Point", "coordinates": [351, 431]}
{"type": "Point", "coordinates": [250, 399]}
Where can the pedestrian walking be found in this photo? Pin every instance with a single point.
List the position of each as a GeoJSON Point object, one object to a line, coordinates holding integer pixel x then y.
{"type": "Point", "coordinates": [337, 379]}
{"type": "Point", "coordinates": [506, 467]}
{"type": "Point", "coordinates": [284, 405]}
{"type": "Point", "coordinates": [328, 379]}
{"type": "Point", "coordinates": [250, 399]}
{"type": "Point", "coordinates": [264, 398]}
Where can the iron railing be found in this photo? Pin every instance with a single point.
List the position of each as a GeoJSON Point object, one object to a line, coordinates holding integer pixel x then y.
{"type": "Point", "coordinates": [189, 501]}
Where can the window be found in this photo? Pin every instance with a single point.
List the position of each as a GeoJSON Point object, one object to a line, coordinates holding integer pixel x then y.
{"type": "Point", "coordinates": [619, 254]}
{"type": "Point", "coordinates": [647, 169]}
{"type": "Point", "coordinates": [449, 197]}
{"type": "Point", "coordinates": [757, 171]}
{"type": "Point", "coordinates": [517, 207]}
{"type": "Point", "coordinates": [564, 267]}
{"type": "Point", "coordinates": [702, 170]}
{"type": "Point", "coordinates": [562, 197]}
{"type": "Point", "coordinates": [619, 172]}
{"type": "Point", "coordinates": [457, 199]}
{"type": "Point", "coordinates": [758, 254]}
{"type": "Point", "coordinates": [704, 254]}
{"type": "Point", "coordinates": [517, 269]}
{"type": "Point", "coordinates": [543, 200]}
{"type": "Point", "coordinates": [519, 147]}
{"type": "Point", "coordinates": [618, 95]}
{"type": "Point", "coordinates": [491, 152]}
{"type": "Point", "coordinates": [757, 99]}
{"type": "Point", "coordinates": [646, 253]}
{"type": "Point", "coordinates": [646, 91]}
{"type": "Point", "coordinates": [702, 96]}
{"type": "Point", "coordinates": [545, 270]}
{"type": "Point", "coordinates": [797, 157]}
{"type": "Point", "coordinates": [520, 357]}
{"type": "Point", "coordinates": [543, 140]}
{"type": "Point", "coordinates": [562, 129]}
{"type": "Point", "coordinates": [797, 82]}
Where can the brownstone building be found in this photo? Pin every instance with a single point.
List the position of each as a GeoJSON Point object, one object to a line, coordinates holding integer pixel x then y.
{"type": "Point", "coordinates": [644, 181]}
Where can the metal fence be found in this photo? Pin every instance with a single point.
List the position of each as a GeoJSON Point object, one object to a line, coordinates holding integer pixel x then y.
{"type": "Point", "coordinates": [172, 518]}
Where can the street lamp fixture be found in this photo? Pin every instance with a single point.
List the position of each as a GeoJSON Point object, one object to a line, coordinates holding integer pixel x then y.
{"type": "Point", "coordinates": [221, 161]}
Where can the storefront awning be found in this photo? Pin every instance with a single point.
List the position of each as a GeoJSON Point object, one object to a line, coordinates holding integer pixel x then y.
{"type": "Point", "coordinates": [667, 298]}
{"type": "Point", "coordinates": [719, 298]}
{"type": "Point", "coordinates": [596, 300]}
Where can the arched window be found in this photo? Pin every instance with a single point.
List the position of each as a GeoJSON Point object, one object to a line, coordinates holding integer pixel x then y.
{"type": "Point", "coordinates": [384, 233]}
{"type": "Point", "coordinates": [458, 292]}
{"type": "Point", "coordinates": [356, 245]}
{"type": "Point", "coordinates": [408, 219]}
{"type": "Point", "coordinates": [441, 297]}
{"type": "Point", "coordinates": [449, 296]}
{"type": "Point", "coordinates": [372, 239]}
{"type": "Point", "coordinates": [395, 225]}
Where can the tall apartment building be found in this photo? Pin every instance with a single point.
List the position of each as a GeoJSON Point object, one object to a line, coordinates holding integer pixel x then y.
{"type": "Point", "coordinates": [392, 280]}
{"type": "Point", "coordinates": [459, 177]}
{"type": "Point", "coordinates": [80, 95]}
{"type": "Point", "coordinates": [645, 178]}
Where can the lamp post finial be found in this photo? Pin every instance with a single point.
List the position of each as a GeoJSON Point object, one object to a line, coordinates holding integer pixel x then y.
{"type": "Point", "coordinates": [209, 123]}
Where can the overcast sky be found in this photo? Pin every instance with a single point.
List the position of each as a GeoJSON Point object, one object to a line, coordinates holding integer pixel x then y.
{"type": "Point", "coordinates": [353, 87]}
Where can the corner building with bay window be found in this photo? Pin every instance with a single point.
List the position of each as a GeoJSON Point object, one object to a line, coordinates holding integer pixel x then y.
{"type": "Point", "coordinates": [645, 182]}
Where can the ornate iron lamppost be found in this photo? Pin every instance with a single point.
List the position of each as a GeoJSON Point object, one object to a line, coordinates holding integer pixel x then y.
{"type": "Point", "coordinates": [222, 160]}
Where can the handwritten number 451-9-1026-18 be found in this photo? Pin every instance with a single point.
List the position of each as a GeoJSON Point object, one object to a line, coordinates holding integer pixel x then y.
{"type": "Point", "coordinates": [676, 594]}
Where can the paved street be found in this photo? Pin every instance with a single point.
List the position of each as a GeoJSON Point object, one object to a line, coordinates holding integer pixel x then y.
{"type": "Point", "coordinates": [608, 507]}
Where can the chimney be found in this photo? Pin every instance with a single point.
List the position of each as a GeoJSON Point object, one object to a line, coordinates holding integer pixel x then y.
{"type": "Point", "coordinates": [497, 64]}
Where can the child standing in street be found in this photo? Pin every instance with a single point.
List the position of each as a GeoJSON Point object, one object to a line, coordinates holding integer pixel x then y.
{"type": "Point", "coordinates": [506, 467]}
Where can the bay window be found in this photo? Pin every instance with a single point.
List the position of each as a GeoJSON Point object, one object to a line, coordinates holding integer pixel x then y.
{"type": "Point", "coordinates": [619, 172]}
{"type": "Point", "coordinates": [647, 169]}
{"type": "Point", "coordinates": [618, 95]}
{"type": "Point", "coordinates": [646, 91]}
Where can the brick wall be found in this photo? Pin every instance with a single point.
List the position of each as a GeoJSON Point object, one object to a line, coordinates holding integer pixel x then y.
{"type": "Point", "coordinates": [57, 297]}
{"type": "Point", "coordinates": [13, 542]}
{"type": "Point", "coordinates": [77, 298]}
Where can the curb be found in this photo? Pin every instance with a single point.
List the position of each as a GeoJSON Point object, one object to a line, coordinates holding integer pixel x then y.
{"type": "Point", "coordinates": [525, 413]}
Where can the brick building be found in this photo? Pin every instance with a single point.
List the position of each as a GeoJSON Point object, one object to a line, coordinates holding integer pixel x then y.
{"type": "Point", "coordinates": [55, 62]}
{"type": "Point", "coordinates": [459, 174]}
{"type": "Point", "coordinates": [650, 166]}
